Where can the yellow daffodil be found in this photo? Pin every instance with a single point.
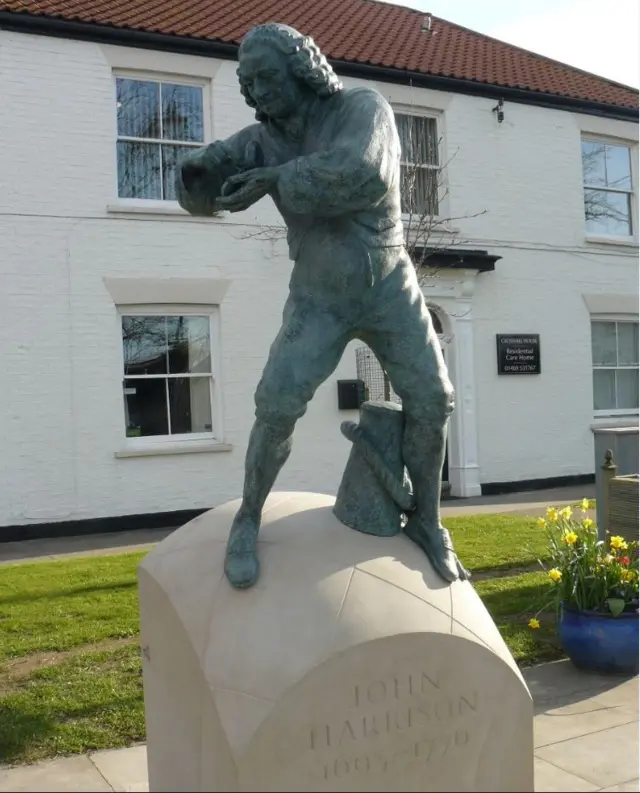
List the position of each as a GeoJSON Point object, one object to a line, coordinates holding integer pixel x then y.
{"type": "Point", "coordinates": [566, 513]}
{"type": "Point", "coordinates": [619, 543]}
{"type": "Point", "coordinates": [552, 514]}
{"type": "Point", "coordinates": [570, 537]}
{"type": "Point", "coordinates": [534, 624]}
{"type": "Point", "coordinates": [555, 575]}
{"type": "Point", "coordinates": [608, 559]}
{"type": "Point", "coordinates": [584, 504]}
{"type": "Point", "coordinates": [542, 523]}
{"type": "Point", "coordinates": [627, 575]}
{"type": "Point", "coordinates": [587, 523]}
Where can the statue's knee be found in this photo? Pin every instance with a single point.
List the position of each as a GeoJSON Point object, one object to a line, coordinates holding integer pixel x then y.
{"type": "Point", "coordinates": [279, 411]}
{"type": "Point", "coordinates": [434, 405]}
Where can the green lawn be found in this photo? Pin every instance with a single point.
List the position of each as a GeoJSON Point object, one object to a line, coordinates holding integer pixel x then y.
{"type": "Point", "coordinates": [496, 542]}
{"type": "Point", "coordinates": [88, 701]}
{"type": "Point", "coordinates": [70, 677]}
{"type": "Point", "coordinates": [512, 600]}
{"type": "Point", "coordinates": [54, 606]}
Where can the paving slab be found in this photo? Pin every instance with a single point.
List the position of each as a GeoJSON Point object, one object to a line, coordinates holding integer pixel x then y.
{"type": "Point", "coordinates": [124, 769]}
{"type": "Point", "coordinates": [63, 775]}
{"type": "Point", "coordinates": [577, 718]}
{"type": "Point", "coordinates": [626, 787]}
{"type": "Point", "coordinates": [603, 758]}
{"type": "Point", "coordinates": [559, 682]}
{"type": "Point", "coordinates": [623, 695]}
{"type": "Point", "coordinates": [551, 779]}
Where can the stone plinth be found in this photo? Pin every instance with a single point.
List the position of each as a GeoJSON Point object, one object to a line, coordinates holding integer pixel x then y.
{"type": "Point", "coordinates": [350, 666]}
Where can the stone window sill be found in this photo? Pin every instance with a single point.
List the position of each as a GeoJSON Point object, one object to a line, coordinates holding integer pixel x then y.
{"type": "Point", "coordinates": [626, 423]}
{"type": "Point", "coordinates": [131, 206]}
{"type": "Point", "coordinates": [624, 242]}
{"type": "Point", "coordinates": [160, 449]}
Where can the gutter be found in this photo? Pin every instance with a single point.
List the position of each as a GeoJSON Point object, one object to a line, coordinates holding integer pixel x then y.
{"type": "Point", "coordinates": [105, 34]}
{"type": "Point", "coordinates": [471, 88]}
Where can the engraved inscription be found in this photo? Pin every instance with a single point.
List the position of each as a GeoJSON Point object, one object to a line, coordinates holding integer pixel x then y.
{"type": "Point", "coordinates": [422, 751]}
{"type": "Point", "coordinates": [413, 711]}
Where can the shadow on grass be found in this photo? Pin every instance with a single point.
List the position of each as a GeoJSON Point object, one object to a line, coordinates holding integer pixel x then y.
{"type": "Point", "coordinates": [527, 598]}
{"type": "Point", "coordinates": [69, 592]}
{"type": "Point", "coordinates": [27, 735]}
{"type": "Point", "coordinates": [20, 730]}
{"type": "Point", "coordinates": [87, 702]}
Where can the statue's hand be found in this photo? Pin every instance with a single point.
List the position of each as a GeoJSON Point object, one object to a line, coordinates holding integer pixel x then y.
{"type": "Point", "coordinates": [199, 179]}
{"type": "Point", "coordinates": [241, 191]}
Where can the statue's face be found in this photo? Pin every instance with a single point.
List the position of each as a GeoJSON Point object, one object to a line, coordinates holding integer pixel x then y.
{"type": "Point", "coordinates": [265, 72]}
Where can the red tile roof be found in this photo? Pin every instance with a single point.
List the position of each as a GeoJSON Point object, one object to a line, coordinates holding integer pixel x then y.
{"type": "Point", "coordinates": [357, 31]}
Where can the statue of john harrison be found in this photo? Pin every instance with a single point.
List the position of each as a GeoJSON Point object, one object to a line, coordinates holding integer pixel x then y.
{"type": "Point", "coordinates": [329, 159]}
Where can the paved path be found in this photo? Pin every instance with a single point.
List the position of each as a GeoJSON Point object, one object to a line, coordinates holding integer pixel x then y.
{"type": "Point", "coordinates": [532, 503]}
{"type": "Point", "coordinates": [586, 738]}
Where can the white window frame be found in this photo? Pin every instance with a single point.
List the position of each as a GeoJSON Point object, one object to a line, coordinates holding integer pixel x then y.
{"type": "Point", "coordinates": [619, 319]}
{"type": "Point", "coordinates": [633, 192]}
{"type": "Point", "coordinates": [215, 386]}
{"type": "Point", "coordinates": [437, 116]}
{"type": "Point", "coordinates": [159, 77]}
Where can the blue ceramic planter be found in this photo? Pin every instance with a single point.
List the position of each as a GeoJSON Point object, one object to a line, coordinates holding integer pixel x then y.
{"type": "Point", "coordinates": [600, 642]}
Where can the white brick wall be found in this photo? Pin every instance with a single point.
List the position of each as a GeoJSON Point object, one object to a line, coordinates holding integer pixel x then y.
{"type": "Point", "coordinates": [62, 417]}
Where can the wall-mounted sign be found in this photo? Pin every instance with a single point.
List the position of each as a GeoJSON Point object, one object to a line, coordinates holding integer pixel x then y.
{"type": "Point", "coordinates": [518, 353]}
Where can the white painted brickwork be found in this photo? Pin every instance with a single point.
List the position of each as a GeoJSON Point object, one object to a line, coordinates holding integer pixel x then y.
{"type": "Point", "coordinates": [61, 416]}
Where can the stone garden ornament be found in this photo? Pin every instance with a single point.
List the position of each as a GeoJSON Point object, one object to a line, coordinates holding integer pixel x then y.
{"type": "Point", "coordinates": [330, 160]}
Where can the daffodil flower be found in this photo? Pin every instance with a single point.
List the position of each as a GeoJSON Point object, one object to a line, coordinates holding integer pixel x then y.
{"type": "Point", "coordinates": [534, 624]}
{"type": "Point", "coordinates": [555, 575]}
{"type": "Point", "coordinates": [584, 504]}
{"type": "Point", "coordinates": [587, 523]}
{"type": "Point", "coordinates": [570, 537]}
{"type": "Point", "coordinates": [542, 523]}
{"type": "Point", "coordinates": [618, 543]}
{"type": "Point", "coordinates": [552, 514]}
{"type": "Point", "coordinates": [566, 513]}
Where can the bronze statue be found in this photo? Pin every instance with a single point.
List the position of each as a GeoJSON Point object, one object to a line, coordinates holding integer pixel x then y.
{"type": "Point", "coordinates": [330, 160]}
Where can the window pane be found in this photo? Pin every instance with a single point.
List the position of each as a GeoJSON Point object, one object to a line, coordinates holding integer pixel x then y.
{"type": "Point", "coordinates": [604, 389]}
{"type": "Point", "coordinates": [138, 104]}
{"type": "Point", "coordinates": [190, 404]}
{"type": "Point", "coordinates": [627, 343]}
{"type": "Point", "coordinates": [145, 407]}
{"type": "Point", "coordinates": [425, 141]}
{"type": "Point", "coordinates": [182, 116]}
{"type": "Point", "coordinates": [189, 344]}
{"type": "Point", "coordinates": [593, 164]}
{"type": "Point", "coordinates": [404, 132]}
{"type": "Point", "coordinates": [138, 170]}
{"type": "Point", "coordinates": [618, 160]}
{"type": "Point", "coordinates": [144, 344]}
{"type": "Point", "coordinates": [171, 156]}
{"type": "Point", "coordinates": [419, 190]}
{"type": "Point", "coordinates": [418, 139]}
{"type": "Point", "coordinates": [607, 213]}
{"type": "Point", "coordinates": [627, 388]}
{"type": "Point", "coordinates": [603, 343]}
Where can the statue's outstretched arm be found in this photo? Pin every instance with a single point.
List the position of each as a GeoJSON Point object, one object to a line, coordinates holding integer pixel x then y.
{"type": "Point", "coordinates": [201, 174]}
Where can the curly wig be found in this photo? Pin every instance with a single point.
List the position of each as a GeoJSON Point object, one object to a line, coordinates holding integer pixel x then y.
{"type": "Point", "coordinates": [307, 62]}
